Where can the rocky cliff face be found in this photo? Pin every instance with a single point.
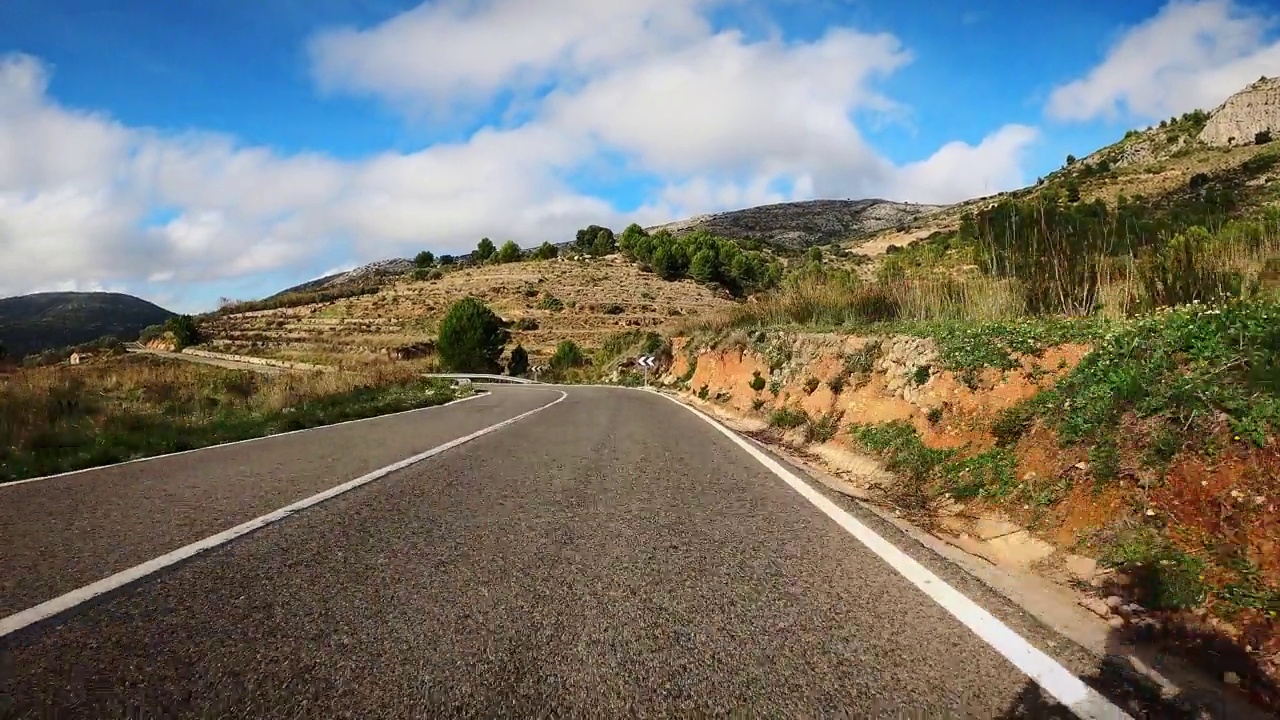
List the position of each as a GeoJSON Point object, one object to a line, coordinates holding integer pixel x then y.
{"type": "Point", "coordinates": [801, 224]}
{"type": "Point", "coordinates": [1244, 115]}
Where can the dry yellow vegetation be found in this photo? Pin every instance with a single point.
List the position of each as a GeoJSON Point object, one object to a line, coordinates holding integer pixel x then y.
{"type": "Point", "coordinates": [547, 301]}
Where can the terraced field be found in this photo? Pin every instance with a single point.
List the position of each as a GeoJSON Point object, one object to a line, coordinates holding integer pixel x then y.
{"type": "Point", "coordinates": [546, 302]}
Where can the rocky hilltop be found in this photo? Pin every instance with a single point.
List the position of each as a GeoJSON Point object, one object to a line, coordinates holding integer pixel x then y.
{"type": "Point", "coordinates": [801, 224]}
{"type": "Point", "coordinates": [374, 271]}
{"type": "Point", "coordinates": [1239, 120]}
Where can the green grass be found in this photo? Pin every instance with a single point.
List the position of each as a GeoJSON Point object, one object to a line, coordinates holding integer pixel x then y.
{"type": "Point", "coordinates": [931, 472]}
{"type": "Point", "coordinates": [1180, 368]}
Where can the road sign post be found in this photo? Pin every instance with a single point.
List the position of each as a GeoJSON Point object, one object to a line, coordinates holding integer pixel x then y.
{"type": "Point", "coordinates": [646, 362]}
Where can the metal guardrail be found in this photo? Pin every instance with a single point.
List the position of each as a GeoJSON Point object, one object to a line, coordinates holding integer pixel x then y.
{"type": "Point", "coordinates": [485, 377]}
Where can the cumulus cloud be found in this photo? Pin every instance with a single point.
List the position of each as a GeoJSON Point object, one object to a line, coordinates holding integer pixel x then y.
{"type": "Point", "coordinates": [712, 119]}
{"type": "Point", "coordinates": [1192, 54]}
{"type": "Point", "coordinates": [468, 50]}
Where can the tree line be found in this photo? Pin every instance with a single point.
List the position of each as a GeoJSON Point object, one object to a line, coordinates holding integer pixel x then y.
{"type": "Point", "coordinates": [699, 255]}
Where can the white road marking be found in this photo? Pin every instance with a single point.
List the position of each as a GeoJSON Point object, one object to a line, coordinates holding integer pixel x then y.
{"type": "Point", "coordinates": [49, 608]}
{"type": "Point", "coordinates": [1057, 680]}
{"type": "Point", "coordinates": [15, 483]}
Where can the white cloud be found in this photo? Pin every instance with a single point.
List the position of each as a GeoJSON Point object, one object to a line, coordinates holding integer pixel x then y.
{"type": "Point", "coordinates": [723, 104]}
{"type": "Point", "coordinates": [1192, 54]}
{"type": "Point", "coordinates": [468, 50]}
{"type": "Point", "coordinates": [961, 170]}
{"type": "Point", "coordinates": [715, 121]}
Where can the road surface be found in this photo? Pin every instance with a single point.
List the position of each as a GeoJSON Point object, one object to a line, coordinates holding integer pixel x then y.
{"type": "Point", "coordinates": [611, 554]}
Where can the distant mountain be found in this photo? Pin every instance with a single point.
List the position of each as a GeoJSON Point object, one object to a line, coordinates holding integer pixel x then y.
{"type": "Point", "coordinates": [42, 321]}
{"type": "Point", "coordinates": [798, 225]}
{"type": "Point", "coordinates": [373, 272]}
{"type": "Point", "coordinates": [794, 225]}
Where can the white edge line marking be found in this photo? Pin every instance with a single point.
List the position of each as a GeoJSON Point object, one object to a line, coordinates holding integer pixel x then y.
{"type": "Point", "coordinates": [14, 483]}
{"type": "Point", "coordinates": [1060, 682]}
{"type": "Point", "coordinates": [62, 603]}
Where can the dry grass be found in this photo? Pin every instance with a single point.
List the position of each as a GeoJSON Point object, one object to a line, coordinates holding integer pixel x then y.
{"type": "Point", "coordinates": [353, 332]}
{"type": "Point", "coordinates": [63, 417]}
{"type": "Point", "coordinates": [849, 303]}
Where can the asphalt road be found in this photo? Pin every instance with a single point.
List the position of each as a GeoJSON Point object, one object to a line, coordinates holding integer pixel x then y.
{"type": "Point", "coordinates": [611, 555]}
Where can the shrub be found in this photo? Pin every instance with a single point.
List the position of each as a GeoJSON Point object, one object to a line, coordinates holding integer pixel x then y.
{"type": "Point", "coordinates": [836, 384]}
{"type": "Point", "coordinates": [484, 250]}
{"type": "Point", "coordinates": [921, 374]}
{"type": "Point", "coordinates": [567, 355]}
{"type": "Point", "coordinates": [757, 382]}
{"type": "Point", "coordinates": [471, 337]}
{"type": "Point", "coordinates": [1183, 271]}
{"type": "Point", "coordinates": [424, 259]}
{"type": "Point", "coordinates": [810, 384]}
{"type": "Point", "coordinates": [1262, 137]}
{"type": "Point", "coordinates": [1012, 423]}
{"type": "Point", "coordinates": [508, 253]}
{"type": "Point", "coordinates": [526, 324]}
{"type": "Point", "coordinates": [546, 251]}
{"type": "Point", "coordinates": [824, 428]}
{"type": "Point", "coordinates": [550, 302]}
{"type": "Point", "coordinates": [704, 392]}
{"type": "Point", "coordinates": [788, 418]}
{"type": "Point", "coordinates": [612, 309]}
{"type": "Point", "coordinates": [933, 415]}
{"type": "Point", "coordinates": [518, 363]}
{"type": "Point", "coordinates": [186, 332]}
{"type": "Point", "coordinates": [757, 403]}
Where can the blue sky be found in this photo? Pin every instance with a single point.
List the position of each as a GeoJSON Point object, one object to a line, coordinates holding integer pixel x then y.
{"type": "Point", "coordinates": [187, 151]}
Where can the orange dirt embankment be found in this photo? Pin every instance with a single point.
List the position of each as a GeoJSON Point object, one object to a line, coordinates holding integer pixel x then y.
{"type": "Point", "coordinates": [891, 391]}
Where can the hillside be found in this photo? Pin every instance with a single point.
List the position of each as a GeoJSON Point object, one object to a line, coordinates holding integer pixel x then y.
{"type": "Point", "coordinates": [546, 301]}
{"type": "Point", "coordinates": [31, 323]}
{"type": "Point", "coordinates": [1091, 362]}
{"type": "Point", "coordinates": [798, 225]}
{"type": "Point", "coordinates": [1225, 156]}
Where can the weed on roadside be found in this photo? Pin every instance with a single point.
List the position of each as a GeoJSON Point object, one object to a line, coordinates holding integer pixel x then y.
{"type": "Point", "coordinates": [788, 418]}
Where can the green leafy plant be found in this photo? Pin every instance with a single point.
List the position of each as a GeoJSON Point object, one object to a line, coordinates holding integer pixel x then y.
{"type": "Point", "coordinates": [811, 383]}
{"type": "Point", "coordinates": [471, 337]}
{"type": "Point", "coordinates": [757, 382]}
{"type": "Point", "coordinates": [788, 418]}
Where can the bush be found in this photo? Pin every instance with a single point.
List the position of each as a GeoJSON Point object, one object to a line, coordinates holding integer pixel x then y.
{"type": "Point", "coordinates": [508, 253]}
{"type": "Point", "coordinates": [810, 384]}
{"type": "Point", "coordinates": [704, 257]}
{"type": "Point", "coordinates": [424, 259]}
{"type": "Point", "coordinates": [546, 251]}
{"type": "Point", "coordinates": [518, 363]}
{"type": "Point", "coordinates": [1262, 137]}
{"type": "Point", "coordinates": [567, 355]}
{"type": "Point", "coordinates": [824, 428]}
{"type": "Point", "coordinates": [1182, 271]}
{"type": "Point", "coordinates": [484, 250]}
{"type": "Point", "coordinates": [788, 418]}
{"type": "Point", "coordinates": [550, 302]}
{"type": "Point", "coordinates": [526, 324]}
{"type": "Point", "coordinates": [471, 338]}
{"type": "Point", "coordinates": [594, 240]}
{"type": "Point", "coordinates": [186, 332]}
{"type": "Point", "coordinates": [757, 382]}
{"type": "Point", "coordinates": [612, 309]}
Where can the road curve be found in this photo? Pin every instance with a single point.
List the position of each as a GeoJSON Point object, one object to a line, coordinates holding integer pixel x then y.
{"type": "Point", "coordinates": [612, 555]}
